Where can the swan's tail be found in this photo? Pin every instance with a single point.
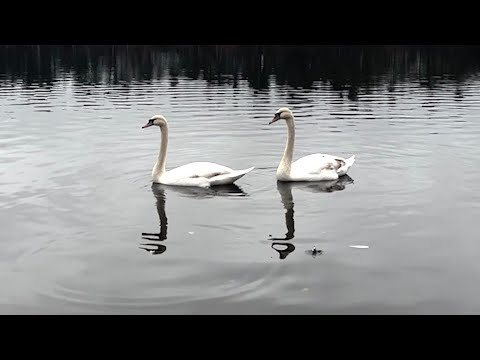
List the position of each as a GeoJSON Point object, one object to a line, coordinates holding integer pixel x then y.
{"type": "Point", "coordinates": [229, 178]}
{"type": "Point", "coordinates": [349, 162]}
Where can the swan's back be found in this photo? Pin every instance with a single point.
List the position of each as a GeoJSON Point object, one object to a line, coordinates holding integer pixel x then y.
{"type": "Point", "coordinates": [202, 174]}
{"type": "Point", "coordinates": [198, 169]}
{"type": "Point", "coordinates": [326, 166]}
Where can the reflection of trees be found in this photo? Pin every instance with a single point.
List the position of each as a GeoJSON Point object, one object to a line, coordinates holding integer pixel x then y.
{"type": "Point", "coordinates": [345, 68]}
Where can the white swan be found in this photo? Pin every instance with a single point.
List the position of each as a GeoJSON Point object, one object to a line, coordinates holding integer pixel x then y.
{"type": "Point", "coordinates": [202, 174]}
{"type": "Point", "coordinates": [315, 167]}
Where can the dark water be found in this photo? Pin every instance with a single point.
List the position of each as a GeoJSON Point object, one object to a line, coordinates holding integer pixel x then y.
{"type": "Point", "coordinates": [84, 231]}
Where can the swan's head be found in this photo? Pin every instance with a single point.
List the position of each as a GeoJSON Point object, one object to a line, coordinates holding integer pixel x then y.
{"type": "Point", "coordinates": [282, 113]}
{"type": "Point", "coordinates": [157, 120]}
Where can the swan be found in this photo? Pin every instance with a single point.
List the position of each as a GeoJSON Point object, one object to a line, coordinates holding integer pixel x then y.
{"type": "Point", "coordinates": [201, 174]}
{"type": "Point", "coordinates": [314, 167]}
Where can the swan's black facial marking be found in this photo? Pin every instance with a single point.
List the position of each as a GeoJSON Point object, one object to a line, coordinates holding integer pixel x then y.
{"type": "Point", "coordinates": [148, 124]}
{"type": "Point", "coordinates": [276, 117]}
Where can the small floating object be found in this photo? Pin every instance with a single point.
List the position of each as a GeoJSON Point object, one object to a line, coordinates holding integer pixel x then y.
{"type": "Point", "coordinates": [314, 252]}
{"type": "Point", "coordinates": [359, 246]}
{"type": "Point", "coordinates": [191, 232]}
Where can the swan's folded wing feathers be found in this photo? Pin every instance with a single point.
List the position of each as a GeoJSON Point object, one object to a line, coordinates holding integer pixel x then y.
{"type": "Point", "coordinates": [207, 175]}
{"type": "Point", "coordinates": [339, 163]}
{"type": "Point", "coordinates": [315, 163]}
{"type": "Point", "coordinates": [203, 174]}
{"type": "Point", "coordinates": [198, 169]}
{"type": "Point", "coordinates": [229, 178]}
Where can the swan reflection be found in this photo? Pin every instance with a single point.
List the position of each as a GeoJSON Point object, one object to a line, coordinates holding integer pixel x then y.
{"type": "Point", "coordinates": [154, 245]}
{"type": "Point", "coordinates": [285, 189]}
{"type": "Point", "coordinates": [201, 193]}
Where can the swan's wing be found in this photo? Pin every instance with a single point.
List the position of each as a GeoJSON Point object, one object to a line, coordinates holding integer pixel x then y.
{"type": "Point", "coordinates": [317, 163]}
{"type": "Point", "coordinates": [203, 174]}
{"type": "Point", "coordinates": [229, 178]}
{"type": "Point", "coordinates": [198, 169]}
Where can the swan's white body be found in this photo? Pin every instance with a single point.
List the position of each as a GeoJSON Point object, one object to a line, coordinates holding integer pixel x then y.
{"type": "Point", "coordinates": [202, 174]}
{"type": "Point", "coordinates": [314, 167]}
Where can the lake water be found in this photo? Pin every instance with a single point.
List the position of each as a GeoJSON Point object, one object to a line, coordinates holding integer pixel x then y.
{"type": "Point", "coordinates": [83, 231]}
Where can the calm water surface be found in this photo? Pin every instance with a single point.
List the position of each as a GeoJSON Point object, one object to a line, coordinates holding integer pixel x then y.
{"type": "Point", "coordinates": [84, 231]}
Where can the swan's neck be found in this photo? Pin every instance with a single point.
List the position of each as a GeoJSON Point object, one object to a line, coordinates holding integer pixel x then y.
{"type": "Point", "coordinates": [159, 168]}
{"type": "Point", "coordinates": [286, 163]}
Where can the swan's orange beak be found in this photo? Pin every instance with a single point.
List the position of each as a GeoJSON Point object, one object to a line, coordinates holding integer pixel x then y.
{"type": "Point", "coordinates": [276, 117]}
{"type": "Point", "coordinates": [150, 123]}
